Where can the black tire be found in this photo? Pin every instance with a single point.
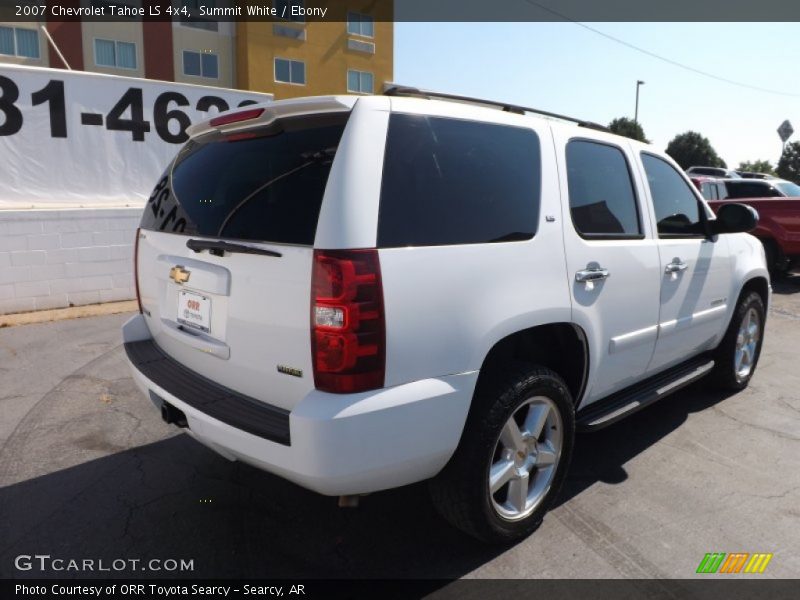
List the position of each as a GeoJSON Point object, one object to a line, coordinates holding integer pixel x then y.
{"type": "Point", "coordinates": [725, 374]}
{"type": "Point", "coordinates": [461, 491]}
{"type": "Point", "coordinates": [774, 258]}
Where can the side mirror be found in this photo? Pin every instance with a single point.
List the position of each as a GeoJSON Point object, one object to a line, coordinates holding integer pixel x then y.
{"type": "Point", "coordinates": [734, 218]}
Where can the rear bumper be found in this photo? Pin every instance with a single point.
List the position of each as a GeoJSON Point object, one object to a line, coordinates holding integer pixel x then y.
{"type": "Point", "coordinates": [224, 404]}
{"type": "Point", "coordinates": [333, 444]}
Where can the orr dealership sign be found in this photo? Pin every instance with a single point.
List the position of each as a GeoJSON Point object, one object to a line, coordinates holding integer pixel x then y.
{"type": "Point", "coordinates": [71, 138]}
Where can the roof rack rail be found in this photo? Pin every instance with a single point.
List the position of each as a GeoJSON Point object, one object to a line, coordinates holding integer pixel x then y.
{"type": "Point", "coordinates": [394, 89]}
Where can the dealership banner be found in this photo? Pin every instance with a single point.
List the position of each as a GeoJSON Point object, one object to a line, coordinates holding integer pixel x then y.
{"type": "Point", "coordinates": [71, 138]}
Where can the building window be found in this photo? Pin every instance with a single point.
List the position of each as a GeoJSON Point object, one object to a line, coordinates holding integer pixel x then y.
{"type": "Point", "coordinates": [16, 41]}
{"type": "Point", "coordinates": [359, 81]}
{"type": "Point", "coordinates": [196, 20]}
{"type": "Point", "coordinates": [284, 10]}
{"type": "Point", "coordinates": [358, 24]}
{"type": "Point", "coordinates": [360, 46]}
{"type": "Point", "coordinates": [297, 33]}
{"type": "Point", "coordinates": [200, 64]}
{"type": "Point", "coordinates": [290, 71]}
{"type": "Point", "coordinates": [110, 53]}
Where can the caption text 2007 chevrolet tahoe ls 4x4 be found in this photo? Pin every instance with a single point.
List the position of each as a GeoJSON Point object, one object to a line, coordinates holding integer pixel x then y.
{"type": "Point", "coordinates": [358, 293]}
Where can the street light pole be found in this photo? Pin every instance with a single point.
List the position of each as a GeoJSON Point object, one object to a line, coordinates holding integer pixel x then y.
{"type": "Point", "coordinates": [636, 114]}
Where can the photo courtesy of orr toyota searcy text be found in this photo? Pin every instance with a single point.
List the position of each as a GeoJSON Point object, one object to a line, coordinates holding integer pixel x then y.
{"type": "Point", "coordinates": [160, 591]}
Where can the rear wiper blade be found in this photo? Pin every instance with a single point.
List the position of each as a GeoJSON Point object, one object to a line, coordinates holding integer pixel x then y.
{"type": "Point", "coordinates": [310, 158]}
{"type": "Point", "coordinates": [218, 248]}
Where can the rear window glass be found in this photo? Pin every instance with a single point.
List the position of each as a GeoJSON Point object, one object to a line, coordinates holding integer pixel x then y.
{"type": "Point", "coordinates": [263, 188]}
{"type": "Point", "coordinates": [449, 181]}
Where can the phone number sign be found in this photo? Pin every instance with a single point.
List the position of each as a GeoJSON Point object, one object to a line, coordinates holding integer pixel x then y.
{"type": "Point", "coordinates": [76, 137]}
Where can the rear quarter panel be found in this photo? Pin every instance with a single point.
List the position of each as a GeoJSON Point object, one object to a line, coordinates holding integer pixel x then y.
{"type": "Point", "coordinates": [446, 306]}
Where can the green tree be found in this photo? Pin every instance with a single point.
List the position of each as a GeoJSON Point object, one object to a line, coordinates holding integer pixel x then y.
{"type": "Point", "coordinates": [691, 149]}
{"type": "Point", "coordinates": [789, 164]}
{"type": "Point", "coordinates": [628, 128]}
{"type": "Point", "coordinates": [757, 166]}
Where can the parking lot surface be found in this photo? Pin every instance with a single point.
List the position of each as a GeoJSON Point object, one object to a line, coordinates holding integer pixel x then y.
{"type": "Point", "coordinates": [89, 470]}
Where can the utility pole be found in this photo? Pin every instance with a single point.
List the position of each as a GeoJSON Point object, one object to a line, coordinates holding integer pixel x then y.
{"type": "Point", "coordinates": [636, 114]}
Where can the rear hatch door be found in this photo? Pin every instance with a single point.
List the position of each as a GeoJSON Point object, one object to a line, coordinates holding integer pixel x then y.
{"type": "Point", "coordinates": [225, 253]}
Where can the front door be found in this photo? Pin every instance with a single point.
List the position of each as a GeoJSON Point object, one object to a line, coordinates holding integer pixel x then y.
{"type": "Point", "coordinates": [695, 269]}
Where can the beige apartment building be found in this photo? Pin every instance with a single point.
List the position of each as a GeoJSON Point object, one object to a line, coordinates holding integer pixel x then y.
{"type": "Point", "coordinates": [285, 57]}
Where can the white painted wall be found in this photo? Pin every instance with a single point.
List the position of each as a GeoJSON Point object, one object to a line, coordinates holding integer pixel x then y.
{"type": "Point", "coordinates": [67, 257]}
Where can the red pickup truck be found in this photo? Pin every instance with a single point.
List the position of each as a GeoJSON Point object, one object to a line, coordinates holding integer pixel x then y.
{"type": "Point", "coordinates": [778, 225]}
{"type": "Point", "coordinates": [778, 207]}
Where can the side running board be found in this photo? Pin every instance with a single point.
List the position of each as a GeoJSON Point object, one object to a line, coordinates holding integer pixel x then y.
{"type": "Point", "coordinates": [623, 403]}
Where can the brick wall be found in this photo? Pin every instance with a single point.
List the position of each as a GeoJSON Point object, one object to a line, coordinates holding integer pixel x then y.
{"type": "Point", "coordinates": [60, 258]}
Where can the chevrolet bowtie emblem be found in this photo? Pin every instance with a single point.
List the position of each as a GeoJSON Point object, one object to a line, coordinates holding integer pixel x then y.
{"type": "Point", "coordinates": [179, 275]}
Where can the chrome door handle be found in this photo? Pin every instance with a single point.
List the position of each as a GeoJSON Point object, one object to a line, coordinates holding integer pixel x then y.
{"type": "Point", "coordinates": [592, 274]}
{"type": "Point", "coordinates": [676, 266]}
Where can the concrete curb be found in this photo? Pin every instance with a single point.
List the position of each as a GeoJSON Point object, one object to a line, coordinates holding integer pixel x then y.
{"type": "Point", "coordinates": [73, 312]}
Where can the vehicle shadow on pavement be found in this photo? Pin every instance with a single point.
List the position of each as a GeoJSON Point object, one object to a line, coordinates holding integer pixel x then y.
{"type": "Point", "coordinates": [601, 455]}
{"type": "Point", "coordinates": [174, 499]}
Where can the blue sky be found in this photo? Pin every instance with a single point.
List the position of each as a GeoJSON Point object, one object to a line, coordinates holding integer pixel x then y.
{"type": "Point", "coordinates": [564, 68]}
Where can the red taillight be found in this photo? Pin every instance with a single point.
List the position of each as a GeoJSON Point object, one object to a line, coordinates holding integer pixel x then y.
{"type": "Point", "coordinates": [136, 268]}
{"type": "Point", "coordinates": [348, 329]}
{"type": "Point", "coordinates": [242, 115]}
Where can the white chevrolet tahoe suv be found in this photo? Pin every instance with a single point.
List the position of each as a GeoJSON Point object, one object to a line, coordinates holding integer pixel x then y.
{"type": "Point", "coordinates": [359, 293]}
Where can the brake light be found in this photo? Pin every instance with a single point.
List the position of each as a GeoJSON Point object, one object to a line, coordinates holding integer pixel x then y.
{"type": "Point", "coordinates": [238, 137]}
{"type": "Point", "coordinates": [242, 115]}
{"type": "Point", "coordinates": [136, 268]}
{"type": "Point", "coordinates": [348, 329]}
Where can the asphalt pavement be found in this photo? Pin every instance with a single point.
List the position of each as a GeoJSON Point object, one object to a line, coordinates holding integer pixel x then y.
{"type": "Point", "coordinates": [89, 471]}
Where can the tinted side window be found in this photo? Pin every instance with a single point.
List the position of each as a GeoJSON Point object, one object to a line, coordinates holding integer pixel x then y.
{"type": "Point", "coordinates": [677, 208]}
{"type": "Point", "coordinates": [601, 196]}
{"type": "Point", "coordinates": [449, 181]}
{"type": "Point", "coordinates": [751, 189]}
{"type": "Point", "coordinates": [709, 190]}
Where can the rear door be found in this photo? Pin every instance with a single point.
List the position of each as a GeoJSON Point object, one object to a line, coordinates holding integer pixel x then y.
{"type": "Point", "coordinates": [612, 260]}
{"type": "Point", "coordinates": [239, 314]}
